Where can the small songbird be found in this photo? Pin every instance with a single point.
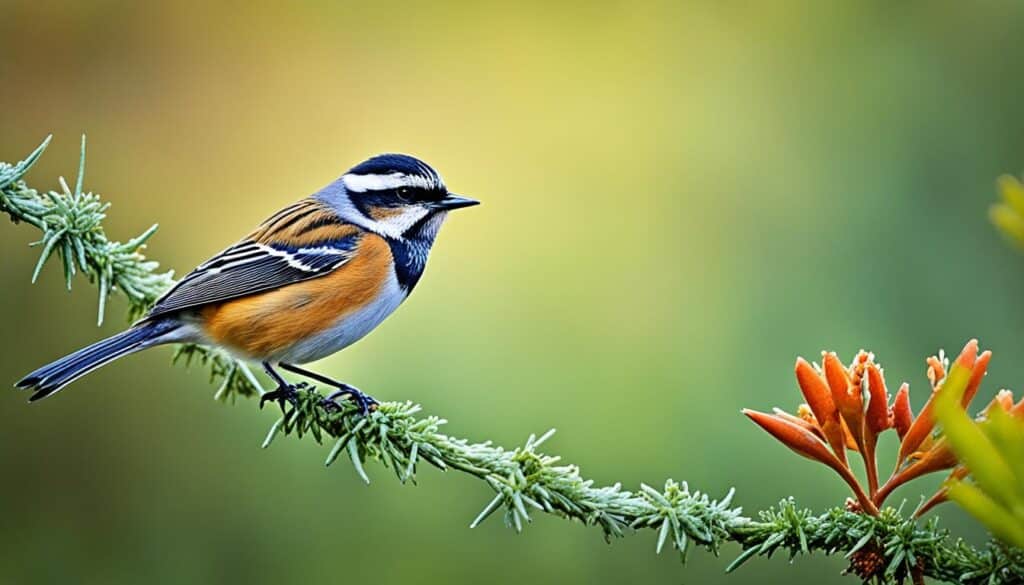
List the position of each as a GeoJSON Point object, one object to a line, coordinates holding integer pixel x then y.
{"type": "Point", "coordinates": [311, 280]}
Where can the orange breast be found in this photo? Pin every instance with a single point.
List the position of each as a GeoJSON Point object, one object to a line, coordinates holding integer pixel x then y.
{"type": "Point", "coordinates": [268, 323]}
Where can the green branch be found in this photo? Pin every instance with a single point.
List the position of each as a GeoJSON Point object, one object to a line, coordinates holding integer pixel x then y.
{"type": "Point", "coordinates": [525, 481]}
{"type": "Point", "coordinates": [71, 226]}
{"type": "Point", "coordinates": [71, 222]}
{"type": "Point", "coordinates": [886, 548]}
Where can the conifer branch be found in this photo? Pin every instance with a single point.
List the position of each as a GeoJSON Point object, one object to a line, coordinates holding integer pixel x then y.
{"type": "Point", "coordinates": [71, 222]}
{"type": "Point", "coordinates": [525, 481]}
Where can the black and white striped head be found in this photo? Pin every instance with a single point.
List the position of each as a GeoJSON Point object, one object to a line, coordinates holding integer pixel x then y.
{"type": "Point", "coordinates": [400, 196]}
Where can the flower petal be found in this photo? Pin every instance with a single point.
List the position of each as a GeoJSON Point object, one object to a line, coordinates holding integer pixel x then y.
{"type": "Point", "coordinates": [902, 413]}
{"type": "Point", "coordinates": [819, 398]}
{"type": "Point", "coordinates": [877, 418]}
{"type": "Point", "coordinates": [796, 437]}
{"type": "Point", "coordinates": [846, 396]}
{"type": "Point", "coordinates": [977, 375]}
{"type": "Point", "coordinates": [803, 442]}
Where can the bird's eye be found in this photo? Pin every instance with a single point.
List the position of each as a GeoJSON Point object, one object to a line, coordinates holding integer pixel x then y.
{"type": "Point", "coordinates": [404, 193]}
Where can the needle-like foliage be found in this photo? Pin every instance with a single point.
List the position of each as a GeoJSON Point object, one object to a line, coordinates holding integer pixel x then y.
{"type": "Point", "coordinates": [525, 481]}
{"type": "Point", "coordinates": [71, 223]}
{"type": "Point", "coordinates": [71, 226]}
{"type": "Point", "coordinates": [889, 547]}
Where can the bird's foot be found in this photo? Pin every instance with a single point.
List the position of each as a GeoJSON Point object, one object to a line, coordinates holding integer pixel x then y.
{"type": "Point", "coordinates": [365, 402]}
{"type": "Point", "coordinates": [283, 394]}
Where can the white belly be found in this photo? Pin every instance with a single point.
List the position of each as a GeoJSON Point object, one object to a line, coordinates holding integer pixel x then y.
{"type": "Point", "coordinates": [348, 329]}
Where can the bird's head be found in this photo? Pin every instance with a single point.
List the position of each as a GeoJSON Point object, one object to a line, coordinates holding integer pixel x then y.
{"type": "Point", "coordinates": [400, 196]}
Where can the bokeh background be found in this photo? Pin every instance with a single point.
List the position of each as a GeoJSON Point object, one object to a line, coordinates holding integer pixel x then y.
{"type": "Point", "coordinates": [679, 199]}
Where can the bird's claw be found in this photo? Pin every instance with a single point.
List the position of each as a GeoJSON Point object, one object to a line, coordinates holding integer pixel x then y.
{"type": "Point", "coordinates": [283, 394]}
{"type": "Point", "coordinates": [365, 402]}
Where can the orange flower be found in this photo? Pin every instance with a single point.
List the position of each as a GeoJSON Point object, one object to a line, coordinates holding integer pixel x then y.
{"type": "Point", "coordinates": [977, 375]}
{"type": "Point", "coordinates": [795, 436]}
{"type": "Point", "coordinates": [847, 397]}
{"type": "Point", "coordinates": [878, 417]}
{"type": "Point", "coordinates": [805, 443]}
{"type": "Point", "coordinates": [876, 420]}
{"type": "Point", "coordinates": [939, 457]}
{"type": "Point", "coordinates": [936, 370]}
{"type": "Point", "coordinates": [1018, 409]}
{"type": "Point", "coordinates": [1004, 400]}
{"type": "Point", "coordinates": [902, 414]}
{"type": "Point", "coordinates": [922, 426]}
{"type": "Point", "coordinates": [819, 399]}
{"type": "Point", "coordinates": [848, 408]}
{"type": "Point", "coordinates": [807, 422]}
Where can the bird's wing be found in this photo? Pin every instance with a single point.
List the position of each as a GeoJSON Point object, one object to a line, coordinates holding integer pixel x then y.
{"type": "Point", "coordinates": [303, 241]}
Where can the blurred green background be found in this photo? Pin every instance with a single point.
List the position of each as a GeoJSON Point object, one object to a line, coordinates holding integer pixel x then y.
{"type": "Point", "coordinates": [679, 199]}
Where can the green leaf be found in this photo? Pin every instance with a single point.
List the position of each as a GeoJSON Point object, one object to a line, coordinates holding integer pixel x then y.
{"type": "Point", "coordinates": [1007, 436]}
{"type": "Point", "coordinates": [487, 511]}
{"type": "Point", "coordinates": [974, 449]}
{"type": "Point", "coordinates": [353, 453]}
{"type": "Point", "coordinates": [18, 171]}
{"type": "Point", "coordinates": [274, 430]}
{"type": "Point", "coordinates": [81, 170]}
{"type": "Point", "coordinates": [997, 519]}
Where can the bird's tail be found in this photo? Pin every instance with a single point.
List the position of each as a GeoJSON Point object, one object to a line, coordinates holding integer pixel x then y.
{"type": "Point", "coordinates": [53, 377]}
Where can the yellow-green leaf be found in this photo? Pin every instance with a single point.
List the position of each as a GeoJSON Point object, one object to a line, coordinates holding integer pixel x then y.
{"type": "Point", "coordinates": [975, 450]}
{"type": "Point", "coordinates": [996, 518]}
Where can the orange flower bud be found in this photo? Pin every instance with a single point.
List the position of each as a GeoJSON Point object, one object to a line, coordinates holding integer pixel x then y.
{"type": "Point", "coordinates": [819, 399]}
{"type": "Point", "coordinates": [1005, 400]}
{"type": "Point", "coordinates": [1018, 409]}
{"type": "Point", "coordinates": [877, 418]}
{"type": "Point", "coordinates": [848, 440]}
{"type": "Point", "coordinates": [936, 371]}
{"type": "Point", "coordinates": [839, 382]}
{"type": "Point", "coordinates": [977, 375]}
{"type": "Point", "coordinates": [857, 368]}
{"type": "Point", "coordinates": [922, 426]}
{"type": "Point", "coordinates": [968, 355]}
{"type": "Point", "coordinates": [919, 430]}
{"type": "Point", "coordinates": [939, 457]}
{"type": "Point", "coordinates": [803, 442]}
{"type": "Point", "coordinates": [808, 423]}
{"type": "Point", "coordinates": [902, 414]}
{"type": "Point", "coordinates": [796, 437]}
{"type": "Point", "coordinates": [847, 397]}
{"type": "Point", "coordinates": [817, 394]}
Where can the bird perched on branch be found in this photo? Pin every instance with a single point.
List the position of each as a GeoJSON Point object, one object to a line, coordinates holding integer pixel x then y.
{"type": "Point", "coordinates": [311, 280]}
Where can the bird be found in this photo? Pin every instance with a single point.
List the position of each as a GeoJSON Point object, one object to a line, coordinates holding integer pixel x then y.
{"type": "Point", "coordinates": [311, 280]}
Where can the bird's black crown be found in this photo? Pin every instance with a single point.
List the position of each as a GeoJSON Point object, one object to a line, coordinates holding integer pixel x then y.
{"type": "Point", "coordinates": [391, 163]}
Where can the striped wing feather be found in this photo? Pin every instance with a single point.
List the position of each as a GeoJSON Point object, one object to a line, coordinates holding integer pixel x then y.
{"type": "Point", "coordinates": [303, 241]}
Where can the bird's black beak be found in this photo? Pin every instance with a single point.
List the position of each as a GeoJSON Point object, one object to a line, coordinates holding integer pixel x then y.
{"type": "Point", "coordinates": [453, 201]}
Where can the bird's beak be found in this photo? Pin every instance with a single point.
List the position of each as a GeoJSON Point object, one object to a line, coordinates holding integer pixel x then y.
{"type": "Point", "coordinates": [453, 201]}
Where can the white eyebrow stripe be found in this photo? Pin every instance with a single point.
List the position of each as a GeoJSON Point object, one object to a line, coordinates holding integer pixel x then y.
{"type": "Point", "coordinates": [364, 183]}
